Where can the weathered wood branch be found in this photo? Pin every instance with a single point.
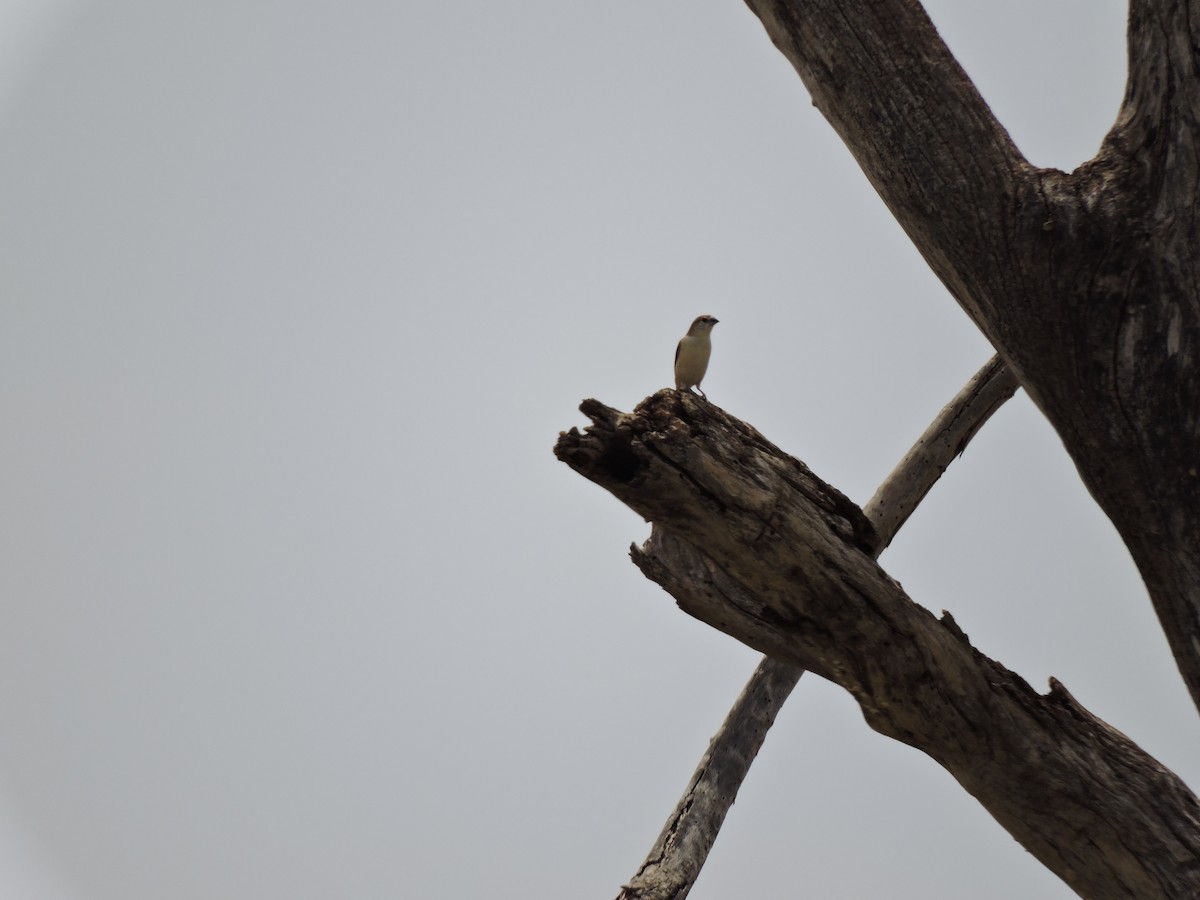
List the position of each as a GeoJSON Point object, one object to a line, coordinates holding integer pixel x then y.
{"type": "Point", "coordinates": [1087, 283]}
{"type": "Point", "coordinates": [914, 121]}
{"type": "Point", "coordinates": [674, 862]}
{"type": "Point", "coordinates": [682, 847]}
{"type": "Point", "coordinates": [945, 438]}
{"type": "Point", "coordinates": [1086, 801]}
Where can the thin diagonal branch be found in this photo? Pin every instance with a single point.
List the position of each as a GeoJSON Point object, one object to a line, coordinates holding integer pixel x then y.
{"type": "Point", "coordinates": [674, 862]}
{"type": "Point", "coordinates": [945, 438]}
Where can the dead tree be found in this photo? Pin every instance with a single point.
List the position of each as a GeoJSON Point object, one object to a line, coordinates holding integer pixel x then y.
{"type": "Point", "coordinates": [1088, 285]}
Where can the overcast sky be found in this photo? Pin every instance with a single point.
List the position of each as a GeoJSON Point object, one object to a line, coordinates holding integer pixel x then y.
{"type": "Point", "coordinates": [295, 298]}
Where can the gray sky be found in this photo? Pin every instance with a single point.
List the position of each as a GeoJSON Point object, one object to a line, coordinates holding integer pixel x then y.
{"type": "Point", "coordinates": [296, 297]}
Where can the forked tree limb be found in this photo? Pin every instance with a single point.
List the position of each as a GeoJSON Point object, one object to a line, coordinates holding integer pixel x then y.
{"type": "Point", "coordinates": [1081, 797]}
{"type": "Point", "coordinates": [674, 862]}
{"type": "Point", "coordinates": [1086, 282]}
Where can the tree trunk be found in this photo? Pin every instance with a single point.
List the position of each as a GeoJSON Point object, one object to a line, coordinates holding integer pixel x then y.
{"type": "Point", "coordinates": [1087, 283]}
{"type": "Point", "coordinates": [783, 562]}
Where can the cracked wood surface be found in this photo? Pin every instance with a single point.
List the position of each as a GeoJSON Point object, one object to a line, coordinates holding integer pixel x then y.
{"type": "Point", "coordinates": [1087, 802]}
{"type": "Point", "coordinates": [679, 853]}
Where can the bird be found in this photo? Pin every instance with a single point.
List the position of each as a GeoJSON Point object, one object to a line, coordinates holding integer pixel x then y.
{"type": "Point", "coordinates": [691, 356]}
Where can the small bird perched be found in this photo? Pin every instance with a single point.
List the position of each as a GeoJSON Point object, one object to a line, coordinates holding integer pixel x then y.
{"type": "Point", "coordinates": [691, 356]}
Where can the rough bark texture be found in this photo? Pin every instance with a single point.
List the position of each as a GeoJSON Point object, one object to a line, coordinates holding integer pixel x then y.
{"type": "Point", "coordinates": [674, 862]}
{"type": "Point", "coordinates": [1087, 283]}
{"type": "Point", "coordinates": [1086, 801]}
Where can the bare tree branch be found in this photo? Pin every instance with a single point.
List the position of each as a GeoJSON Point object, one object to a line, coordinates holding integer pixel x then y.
{"type": "Point", "coordinates": [945, 438]}
{"type": "Point", "coordinates": [1092, 806]}
{"type": "Point", "coordinates": [674, 862]}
